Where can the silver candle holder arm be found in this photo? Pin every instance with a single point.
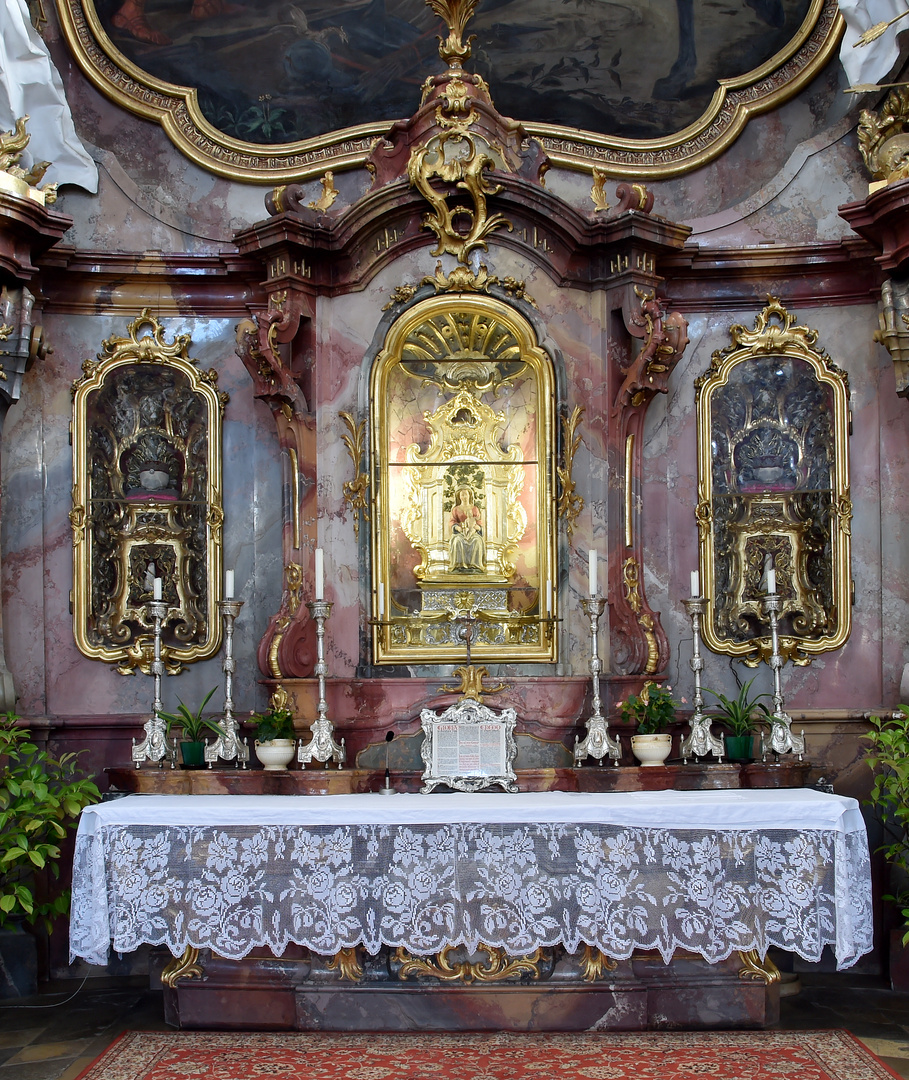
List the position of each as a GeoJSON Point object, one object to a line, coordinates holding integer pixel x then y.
{"type": "Point", "coordinates": [597, 743]}
{"type": "Point", "coordinates": [322, 746]}
{"type": "Point", "coordinates": [227, 746]}
{"type": "Point", "coordinates": [700, 740]}
{"type": "Point", "coordinates": [155, 747]}
{"type": "Point", "coordinates": [782, 739]}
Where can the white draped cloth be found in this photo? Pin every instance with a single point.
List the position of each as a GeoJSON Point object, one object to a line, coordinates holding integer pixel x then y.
{"type": "Point", "coordinates": [711, 872]}
{"type": "Point", "coordinates": [31, 86]}
{"type": "Point", "coordinates": [871, 63]}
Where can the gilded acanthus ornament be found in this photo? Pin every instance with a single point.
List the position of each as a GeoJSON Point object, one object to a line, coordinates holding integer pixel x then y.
{"type": "Point", "coordinates": [355, 490]}
{"type": "Point", "coordinates": [570, 503]}
{"type": "Point", "coordinates": [883, 139]}
{"type": "Point", "coordinates": [456, 14]}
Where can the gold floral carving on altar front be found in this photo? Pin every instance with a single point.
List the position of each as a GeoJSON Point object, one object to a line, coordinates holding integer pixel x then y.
{"type": "Point", "coordinates": [496, 967]}
{"type": "Point", "coordinates": [146, 501]}
{"type": "Point", "coordinates": [570, 502]}
{"type": "Point", "coordinates": [185, 966]}
{"type": "Point", "coordinates": [773, 490]}
{"type": "Point", "coordinates": [347, 964]}
{"type": "Point", "coordinates": [463, 471]}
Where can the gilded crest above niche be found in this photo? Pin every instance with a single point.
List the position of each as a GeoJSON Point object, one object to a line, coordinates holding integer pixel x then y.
{"type": "Point", "coordinates": [773, 490]}
{"type": "Point", "coordinates": [464, 529]}
{"type": "Point", "coordinates": [275, 92]}
{"type": "Point", "coordinates": [146, 501]}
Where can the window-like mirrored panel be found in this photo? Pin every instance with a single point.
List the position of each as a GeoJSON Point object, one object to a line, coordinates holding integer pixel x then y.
{"type": "Point", "coordinates": [146, 501]}
{"type": "Point", "coordinates": [774, 491]}
{"type": "Point", "coordinates": [462, 448]}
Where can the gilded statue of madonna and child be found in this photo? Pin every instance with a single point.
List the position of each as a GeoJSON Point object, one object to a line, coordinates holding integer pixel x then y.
{"type": "Point", "coordinates": [467, 546]}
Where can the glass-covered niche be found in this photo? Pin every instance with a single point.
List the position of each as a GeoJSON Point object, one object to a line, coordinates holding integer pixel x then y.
{"type": "Point", "coordinates": [146, 501]}
{"type": "Point", "coordinates": [463, 535]}
{"type": "Point", "coordinates": [774, 491]}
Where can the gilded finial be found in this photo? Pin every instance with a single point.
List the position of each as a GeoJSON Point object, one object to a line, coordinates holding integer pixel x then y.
{"type": "Point", "coordinates": [456, 14]}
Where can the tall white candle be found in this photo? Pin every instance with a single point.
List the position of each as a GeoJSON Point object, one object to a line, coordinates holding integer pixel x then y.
{"type": "Point", "coordinates": [320, 574]}
{"type": "Point", "coordinates": [592, 572]}
{"type": "Point", "coordinates": [695, 583]}
{"type": "Point", "coordinates": [380, 600]}
{"type": "Point", "coordinates": [771, 580]}
{"type": "Point", "coordinates": [548, 597]}
{"type": "Point", "coordinates": [228, 584]}
{"type": "Point", "coordinates": [156, 593]}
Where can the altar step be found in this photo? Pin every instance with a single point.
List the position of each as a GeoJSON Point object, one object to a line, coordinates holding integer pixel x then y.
{"type": "Point", "coordinates": [296, 992]}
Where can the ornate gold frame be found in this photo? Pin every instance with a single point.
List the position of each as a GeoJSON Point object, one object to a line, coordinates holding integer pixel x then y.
{"type": "Point", "coordinates": [109, 618]}
{"type": "Point", "coordinates": [401, 636]}
{"type": "Point", "coordinates": [768, 516]}
{"type": "Point", "coordinates": [176, 109]}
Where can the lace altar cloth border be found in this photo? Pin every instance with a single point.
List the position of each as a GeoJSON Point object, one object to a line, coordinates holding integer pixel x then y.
{"type": "Point", "coordinates": [710, 872]}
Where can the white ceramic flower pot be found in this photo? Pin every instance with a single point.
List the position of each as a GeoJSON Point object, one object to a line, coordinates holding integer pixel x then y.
{"type": "Point", "coordinates": [651, 749]}
{"type": "Point", "coordinates": [275, 754]}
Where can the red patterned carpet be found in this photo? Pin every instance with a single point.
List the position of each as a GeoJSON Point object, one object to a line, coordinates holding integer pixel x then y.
{"type": "Point", "coordinates": [733, 1055]}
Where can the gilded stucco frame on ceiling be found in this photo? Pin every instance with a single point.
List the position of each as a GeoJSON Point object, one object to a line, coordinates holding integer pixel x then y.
{"type": "Point", "coordinates": [177, 110]}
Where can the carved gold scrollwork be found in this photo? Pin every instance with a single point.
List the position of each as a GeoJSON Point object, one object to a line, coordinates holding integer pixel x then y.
{"type": "Point", "coordinates": [455, 13]}
{"type": "Point", "coordinates": [355, 491]}
{"type": "Point", "coordinates": [882, 138]}
{"type": "Point", "coordinates": [757, 967]}
{"type": "Point", "coordinates": [598, 191]}
{"type": "Point", "coordinates": [631, 580]}
{"type": "Point", "coordinates": [16, 180]}
{"type": "Point", "coordinates": [186, 966]}
{"type": "Point", "coordinates": [329, 193]}
{"type": "Point", "coordinates": [594, 964]}
{"type": "Point", "coordinates": [347, 964]}
{"type": "Point", "coordinates": [570, 504]}
{"type": "Point", "coordinates": [471, 684]}
{"type": "Point", "coordinates": [497, 966]}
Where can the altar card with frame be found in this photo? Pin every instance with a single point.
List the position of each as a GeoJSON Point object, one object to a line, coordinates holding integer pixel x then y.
{"type": "Point", "coordinates": [468, 747]}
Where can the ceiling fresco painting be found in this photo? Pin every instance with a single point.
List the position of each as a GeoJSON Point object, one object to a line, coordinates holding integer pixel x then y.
{"type": "Point", "coordinates": [283, 88]}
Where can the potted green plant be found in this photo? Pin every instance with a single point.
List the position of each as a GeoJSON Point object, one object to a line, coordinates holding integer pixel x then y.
{"type": "Point", "coordinates": [737, 714]}
{"type": "Point", "coordinates": [889, 758]}
{"type": "Point", "coordinates": [653, 710]}
{"type": "Point", "coordinates": [193, 726]}
{"type": "Point", "coordinates": [41, 797]}
{"type": "Point", "coordinates": [275, 737]}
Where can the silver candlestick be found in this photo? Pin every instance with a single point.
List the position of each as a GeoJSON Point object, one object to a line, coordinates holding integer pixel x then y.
{"type": "Point", "coordinates": [782, 740]}
{"type": "Point", "coordinates": [227, 746]}
{"type": "Point", "coordinates": [155, 747]}
{"type": "Point", "coordinates": [700, 740]}
{"type": "Point", "coordinates": [597, 743]}
{"type": "Point", "coordinates": [322, 745]}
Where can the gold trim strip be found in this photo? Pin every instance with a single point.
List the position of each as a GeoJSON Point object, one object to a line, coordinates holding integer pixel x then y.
{"type": "Point", "coordinates": [629, 523]}
{"type": "Point", "coordinates": [295, 496]}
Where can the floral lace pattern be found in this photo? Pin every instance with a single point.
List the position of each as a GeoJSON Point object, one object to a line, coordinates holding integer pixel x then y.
{"type": "Point", "coordinates": [422, 887]}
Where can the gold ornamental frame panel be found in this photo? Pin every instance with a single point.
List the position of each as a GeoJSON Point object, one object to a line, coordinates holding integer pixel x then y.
{"type": "Point", "coordinates": [254, 141]}
{"type": "Point", "coordinates": [464, 528]}
{"type": "Point", "coordinates": [773, 490]}
{"type": "Point", "coordinates": [147, 501]}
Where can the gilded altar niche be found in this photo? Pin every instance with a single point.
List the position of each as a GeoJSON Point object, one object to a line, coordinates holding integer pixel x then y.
{"type": "Point", "coordinates": [464, 531]}
{"type": "Point", "coordinates": [146, 501]}
{"type": "Point", "coordinates": [774, 491]}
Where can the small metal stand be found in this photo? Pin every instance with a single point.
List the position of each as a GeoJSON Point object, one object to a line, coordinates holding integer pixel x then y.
{"type": "Point", "coordinates": [228, 746]}
{"type": "Point", "coordinates": [700, 740]}
{"type": "Point", "coordinates": [322, 745]}
{"type": "Point", "coordinates": [597, 743]}
{"type": "Point", "coordinates": [155, 747]}
{"type": "Point", "coordinates": [782, 741]}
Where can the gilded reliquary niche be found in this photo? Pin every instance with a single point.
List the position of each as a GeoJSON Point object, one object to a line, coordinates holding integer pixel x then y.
{"type": "Point", "coordinates": [464, 531]}
{"type": "Point", "coordinates": [146, 501]}
{"type": "Point", "coordinates": [773, 483]}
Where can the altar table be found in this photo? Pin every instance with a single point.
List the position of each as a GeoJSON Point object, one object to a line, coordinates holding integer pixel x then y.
{"type": "Point", "coordinates": [705, 872]}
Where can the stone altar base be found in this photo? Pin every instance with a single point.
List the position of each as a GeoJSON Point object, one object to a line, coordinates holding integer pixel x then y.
{"type": "Point", "coordinates": [356, 992]}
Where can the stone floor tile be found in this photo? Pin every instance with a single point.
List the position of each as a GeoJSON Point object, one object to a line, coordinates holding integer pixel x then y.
{"type": "Point", "coordinates": [19, 1036]}
{"type": "Point", "coordinates": [42, 1051]}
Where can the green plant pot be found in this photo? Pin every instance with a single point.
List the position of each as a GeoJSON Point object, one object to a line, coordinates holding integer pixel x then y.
{"type": "Point", "coordinates": [193, 754]}
{"type": "Point", "coordinates": [739, 747]}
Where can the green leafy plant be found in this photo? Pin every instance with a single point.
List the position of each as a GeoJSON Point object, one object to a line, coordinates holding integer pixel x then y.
{"type": "Point", "coordinates": [653, 710]}
{"type": "Point", "coordinates": [273, 724]}
{"type": "Point", "coordinates": [738, 713]}
{"type": "Point", "coordinates": [193, 724]}
{"type": "Point", "coordinates": [41, 797]}
{"type": "Point", "coordinates": [889, 757]}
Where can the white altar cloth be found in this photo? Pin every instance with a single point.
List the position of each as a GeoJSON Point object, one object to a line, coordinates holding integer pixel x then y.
{"type": "Point", "coordinates": [707, 871]}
